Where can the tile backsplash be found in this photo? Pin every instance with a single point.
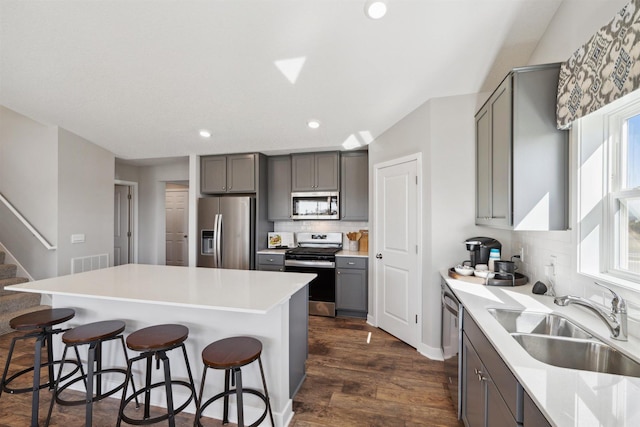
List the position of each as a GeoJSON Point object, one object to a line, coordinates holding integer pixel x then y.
{"type": "Point", "coordinates": [322, 226]}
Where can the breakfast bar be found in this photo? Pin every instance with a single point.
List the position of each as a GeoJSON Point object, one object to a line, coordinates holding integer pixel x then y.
{"type": "Point", "coordinates": [213, 304]}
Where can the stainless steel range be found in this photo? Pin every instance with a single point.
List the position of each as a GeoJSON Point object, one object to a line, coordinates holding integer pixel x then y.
{"type": "Point", "coordinates": [316, 253]}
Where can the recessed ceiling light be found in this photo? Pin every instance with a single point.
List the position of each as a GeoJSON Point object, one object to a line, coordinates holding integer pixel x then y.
{"type": "Point", "coordinates": [375, 9]}
{"type": "Point", "coordinates": [313, 124]}
{"type": "Point", "coordinates": [205, 133]}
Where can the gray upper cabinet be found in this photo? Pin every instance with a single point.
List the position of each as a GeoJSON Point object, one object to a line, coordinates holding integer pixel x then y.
{"type": "Point", "coordinates": [234, 173]}
{"type": "Point", "coordinates": [315, 171]}
{"type": "Point", "coordinates": [279, 188]}
{"type": "Point", "coordinates": [354, 186]}
{"type": "Point", "coordinates": [522, 159]}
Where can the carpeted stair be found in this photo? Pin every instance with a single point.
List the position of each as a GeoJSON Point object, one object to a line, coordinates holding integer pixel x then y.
{"type": "Point", "coordinates": [13, 303]}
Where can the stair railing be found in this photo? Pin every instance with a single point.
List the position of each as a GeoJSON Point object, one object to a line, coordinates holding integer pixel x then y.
{"type": "Point", "coordinates": [27, 224]}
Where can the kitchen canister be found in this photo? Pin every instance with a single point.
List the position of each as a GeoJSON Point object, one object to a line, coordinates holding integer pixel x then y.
{"type": "Point", "coordinates": [494, 255]}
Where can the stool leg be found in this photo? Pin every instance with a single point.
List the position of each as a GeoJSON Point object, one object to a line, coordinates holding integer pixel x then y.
{"type": "Point", "coordinates": [266, 392]}
{"type": "Point", "coordinates": [35, 398]}
{"type": "Point", "coordinates": [225, 413]}
{"type": "Point", "coordinates": [6, 365]}
{"type": "Point", "coordinates": [55, 388]}
{"type": "Point", "coordinates": [147, 382]}
{"type": "Point", "coordinates": [168, 388]}
{"type": "Point", "coordinates": [199, 401]}
{"type": "Point", "coordinates": [89, 392]}
{"type": "Point", "coordinates": [240, 408]}
{"type": "Point", "coordinates": [124, 392]}
{"type": "Point", "coordinates": [49, 344]}
{"type": "Point", "coordinates": [193, 385]}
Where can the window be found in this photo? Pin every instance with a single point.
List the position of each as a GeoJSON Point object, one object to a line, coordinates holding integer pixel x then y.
{"type": "Point", "coordinates": [623, 215]}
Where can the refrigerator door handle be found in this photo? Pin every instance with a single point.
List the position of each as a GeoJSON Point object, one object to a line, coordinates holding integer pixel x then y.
{"type": "Point", "coordinates": [218, 241]}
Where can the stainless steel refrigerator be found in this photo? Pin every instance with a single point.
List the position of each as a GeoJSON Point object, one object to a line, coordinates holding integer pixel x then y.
{"type": "Point", "coordinates": [226, 228]}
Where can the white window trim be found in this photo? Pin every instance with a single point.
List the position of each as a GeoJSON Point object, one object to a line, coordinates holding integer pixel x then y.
{"type": "Point", "coordinates": [580, 128]}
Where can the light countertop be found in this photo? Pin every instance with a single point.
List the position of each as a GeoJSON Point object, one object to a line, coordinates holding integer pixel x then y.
{"type": "Point", "coordinates": [211, 288]}
{"type": "Point", "coordinates": [341, 253]}
{"type": "Point", "coordinates": [567, 397]}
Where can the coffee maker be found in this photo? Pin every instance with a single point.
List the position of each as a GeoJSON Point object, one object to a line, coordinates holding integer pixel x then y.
{"type": "Point", "coordinates": [479, 248]}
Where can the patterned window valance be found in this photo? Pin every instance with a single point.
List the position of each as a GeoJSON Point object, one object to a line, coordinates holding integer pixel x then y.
{"type": "Point", "coordinates": [606, 68]}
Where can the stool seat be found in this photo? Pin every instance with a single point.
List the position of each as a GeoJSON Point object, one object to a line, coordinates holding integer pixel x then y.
{"type": "Point", "coordinates": [93, 331]}
{"type": "Point", "coordinates": [231, 352]}
{"type": "Point", "coordinates": [230, 355]}
{"type": "Point", "coordinates": [154, 342]}
{"type": "Point", "coordinates": [157, 337]}
{"type": "Point", "coordinates": [93, 335]}
{"type": "Point", "coordinates": [42, 318]}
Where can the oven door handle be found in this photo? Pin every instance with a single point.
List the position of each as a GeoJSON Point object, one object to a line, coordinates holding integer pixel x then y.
{"type": "Point", "coordinates": [314, 264]}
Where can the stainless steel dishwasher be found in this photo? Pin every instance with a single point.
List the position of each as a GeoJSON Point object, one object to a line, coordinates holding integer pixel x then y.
{"type": "Point", "coordinates": [452, 343]}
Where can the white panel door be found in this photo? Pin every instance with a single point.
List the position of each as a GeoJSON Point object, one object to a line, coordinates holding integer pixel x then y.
{"type": "Point", "coordinates": [177, 223]}
{"type": "Point", "coordinates": [396, 264]}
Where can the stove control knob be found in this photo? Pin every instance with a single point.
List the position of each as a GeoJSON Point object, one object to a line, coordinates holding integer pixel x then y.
{"type": "Point", "coordinates": [379, 256]}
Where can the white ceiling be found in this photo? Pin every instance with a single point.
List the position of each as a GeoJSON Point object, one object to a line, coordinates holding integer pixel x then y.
{"type": "Point", "coordinates": [140, 78]}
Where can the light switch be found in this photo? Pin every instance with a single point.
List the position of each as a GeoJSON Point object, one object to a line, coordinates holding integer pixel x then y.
{"type": "Point", "coordinates": [77, 238]}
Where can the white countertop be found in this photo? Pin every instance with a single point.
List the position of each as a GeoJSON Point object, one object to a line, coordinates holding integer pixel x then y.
{"type": "Point", "coordinates": [567, 397]}
{"type": "Point", "coordinates": [211, 288]}
{"type": "Point", "coordinates": [341, 253]}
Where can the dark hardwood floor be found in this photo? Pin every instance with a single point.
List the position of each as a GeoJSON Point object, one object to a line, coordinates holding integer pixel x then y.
{"type": "Point", "coordinates": [350, 382]}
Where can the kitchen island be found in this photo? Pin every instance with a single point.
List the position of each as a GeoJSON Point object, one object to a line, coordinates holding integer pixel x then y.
{"type": "Point", "coordinates": [213, 304]}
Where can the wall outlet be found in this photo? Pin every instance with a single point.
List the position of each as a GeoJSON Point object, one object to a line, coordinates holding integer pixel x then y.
{"type": "Point", "coordinates": [521, 254]}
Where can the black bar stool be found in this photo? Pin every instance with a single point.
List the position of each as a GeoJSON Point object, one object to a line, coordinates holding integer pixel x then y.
{"type": "Point", "coordinates": [231, 354]}
{"type": "Point", "coordinates": [40, 324]}
{"type": "Point", "coordinates": [155, 341]}
{"type": "Point", "coordinates": [93, 335]}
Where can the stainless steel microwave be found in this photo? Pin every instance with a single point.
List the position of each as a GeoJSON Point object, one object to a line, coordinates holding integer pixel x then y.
{"type": "Point", "coordinates": [315, 205]}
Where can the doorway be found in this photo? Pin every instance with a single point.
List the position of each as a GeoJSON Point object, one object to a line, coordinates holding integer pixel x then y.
{"type": "Point", "coordinates": [397, 231]}
{"type": "Point", "coordinates": [177, 224]}
{"type": "Point", "coordinates": [125, 223]}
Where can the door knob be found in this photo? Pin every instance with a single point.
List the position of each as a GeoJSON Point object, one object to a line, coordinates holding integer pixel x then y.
{"type": "Point", "coordinates": [379, 256]}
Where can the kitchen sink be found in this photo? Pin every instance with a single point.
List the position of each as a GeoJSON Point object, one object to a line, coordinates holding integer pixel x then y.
{"type": "Point", "coordinates": [583, 354]}
{"type": "Point", "coordinates": [537, 323]}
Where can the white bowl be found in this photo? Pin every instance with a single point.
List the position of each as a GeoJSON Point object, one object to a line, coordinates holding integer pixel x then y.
{"type": "Point", "coordinates": [464, 270]}
{"type": "Point", "coordinates": [482, 267]}
{"type": "Point", "coordinates": [484, 273]}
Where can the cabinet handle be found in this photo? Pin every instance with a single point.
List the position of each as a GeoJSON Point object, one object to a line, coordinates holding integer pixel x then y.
{"type": "Point", "coordinates": [338, 272]}
{"type": "Point", "coordinates": [270, 259]}
{"type": "Point", "coordinates": [379, 256]}
{"type": "Point", "coordinates": [351, 263]}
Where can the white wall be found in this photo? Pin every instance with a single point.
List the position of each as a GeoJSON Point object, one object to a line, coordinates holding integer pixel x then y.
{"type": "Point", "coordinates": [28, 170]}
{"type": "Point", "coordinates": [62, 184]}
{"type": "Point", "coordinates": [85, 199]}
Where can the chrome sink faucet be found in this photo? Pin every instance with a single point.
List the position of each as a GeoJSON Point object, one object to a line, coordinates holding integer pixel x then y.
{"type": "Point", "coordinates": [616, 320]}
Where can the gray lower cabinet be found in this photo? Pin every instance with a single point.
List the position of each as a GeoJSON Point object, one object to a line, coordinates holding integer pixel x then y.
{"type": "Point", "coordinates": [279, 188]}
{"type": "Point", "coordinates": [522, 159]}
{"type": "Point", "coordinates": [235, 173]}
{"type": "Point", "coordinates": [491, 395]}
{"type": "Point", "coordinates": [270, 262]}
{"type": "Point", "coordinates": [351, 287]}
{"type": "Point", "coordinates": [532, 415]}
{"type": "Point", "coordinates": [315, 171]}
{"type": "Point", "coordinates": [490, 391]}
{"type": "Point", "coordinates": [354, 186]}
